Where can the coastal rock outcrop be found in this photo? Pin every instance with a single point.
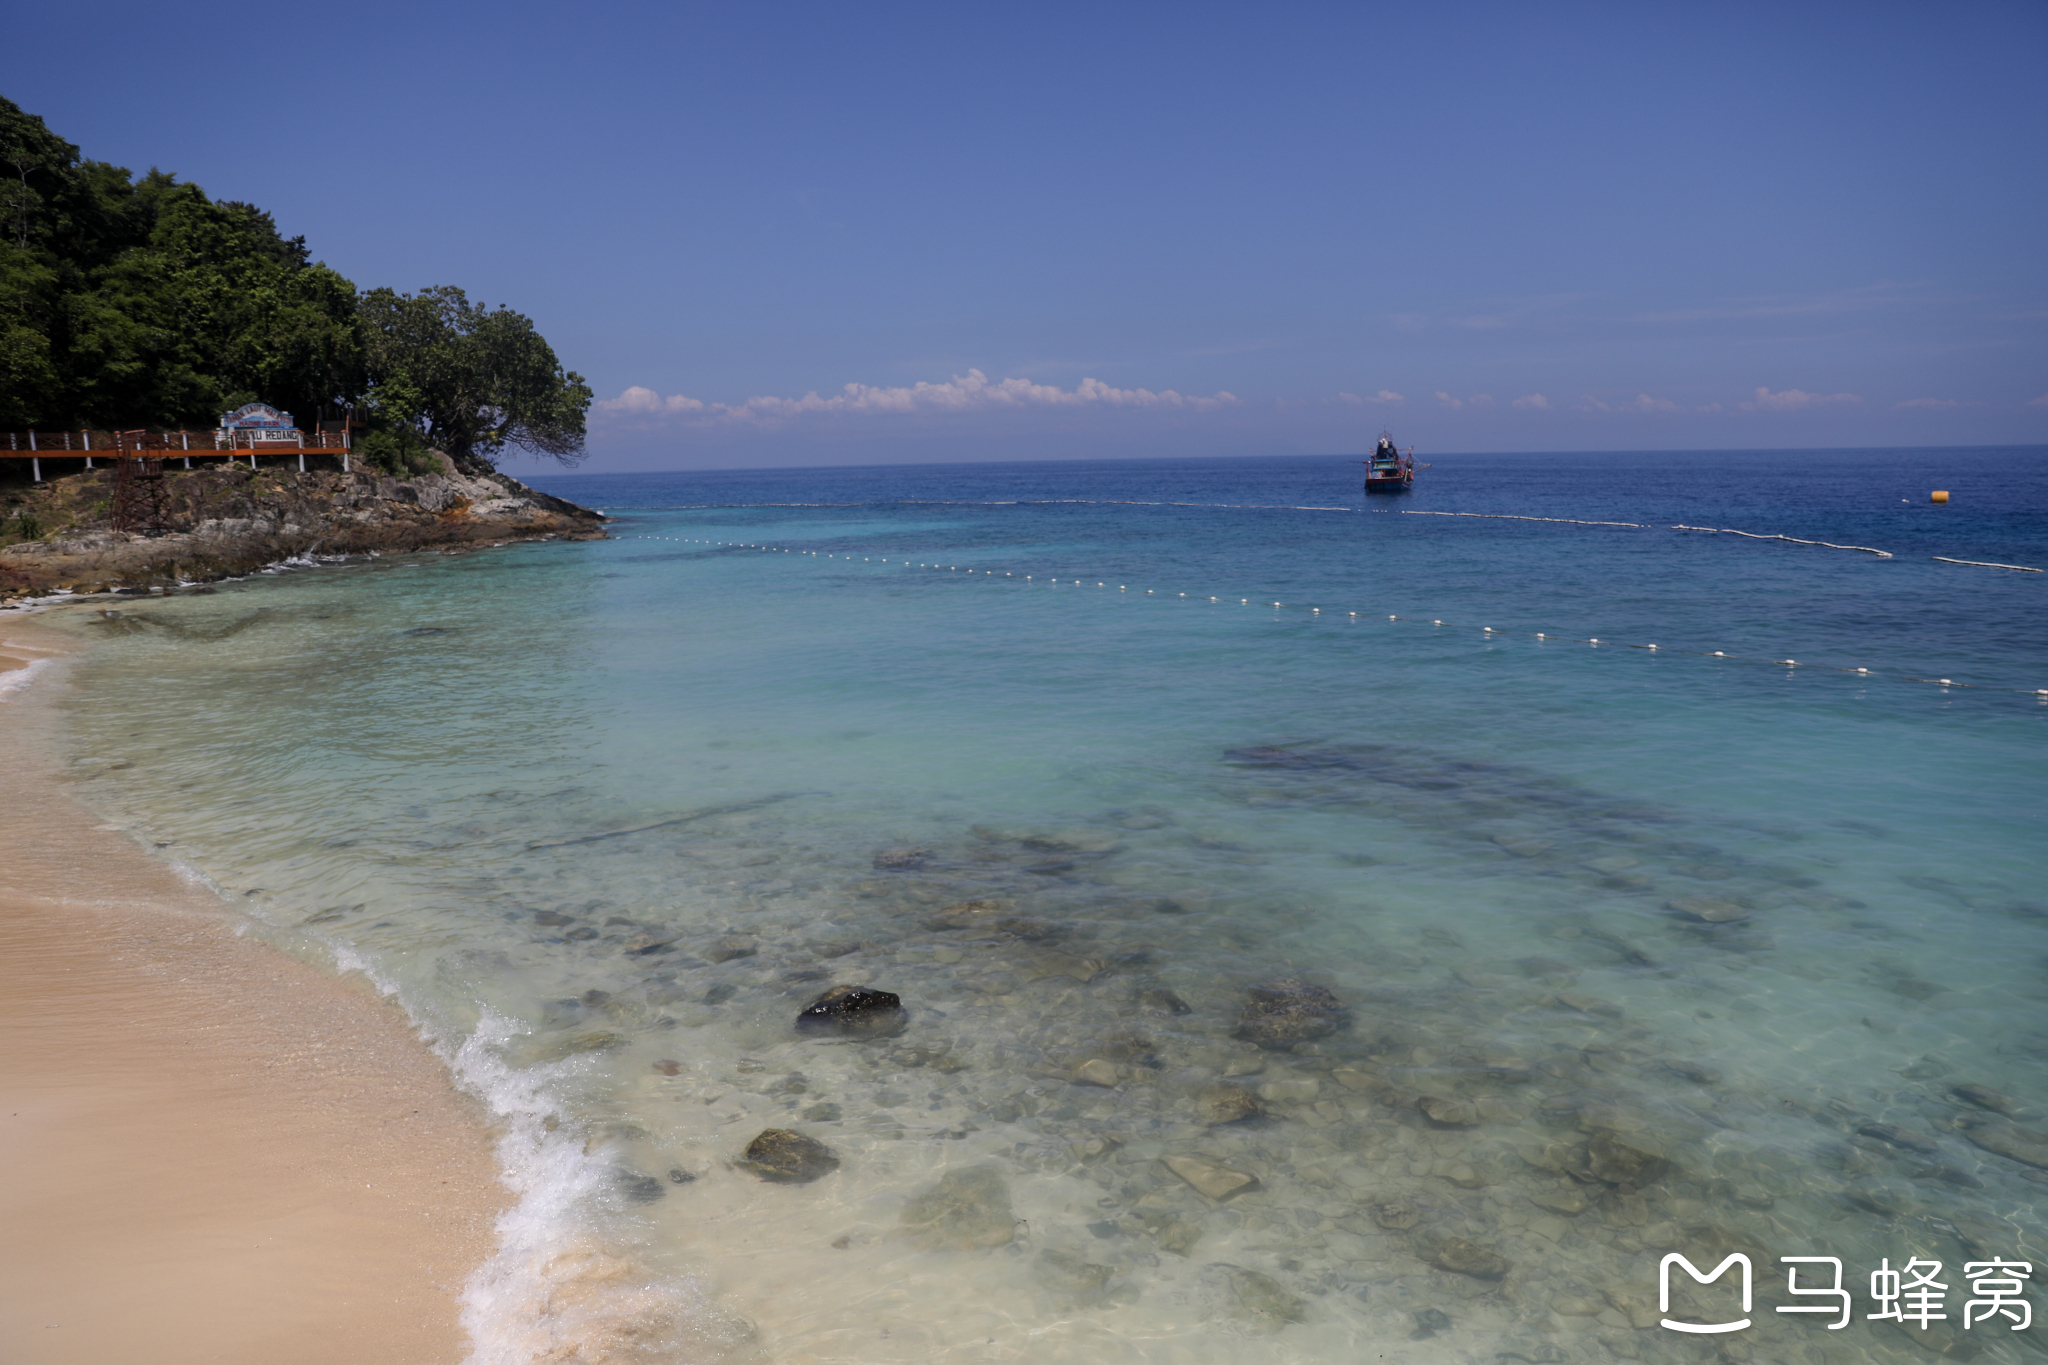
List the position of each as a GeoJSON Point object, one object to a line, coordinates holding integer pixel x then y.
{"type": "Point", "coordinates": [226, 519]}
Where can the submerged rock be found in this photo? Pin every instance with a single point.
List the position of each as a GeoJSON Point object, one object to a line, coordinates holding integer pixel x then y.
{"type": "Point", "coordinates": [1898, 1137]}
{"type": "Point", "coordinates": [1448, 1113]}
{"type": "Point", "coordinates": [902, 859]}
{"type": "Point", "coordinates": [788, 1158]}
{"type": "Point", "coordinates": [638, 1188]}
{"type": "Point", "coordinates": [730, 947]}
{"type": "Point", "coordinates": [1464, 1257]}
{"type": "Point", "coordinates": [1163, 1001]}
{"type": "Point", "coordinates": [1071, 1276]}
{"type": "Point", "coordinates": [1430, 1321]}
{"type": "Point", "coordinates": [1213, 1181]}
{"type": "Point", "coordinates": [853, 1011]}
{"type": "Point", "coordinates": [964, 1210]}
{"type": "Point", "coordinates": [1284, 1012]}
{"type": "Point", "coordinates": [1097, 1072]}
{"type": "Point", "coordinates": [974, 914]}
{"type": "Point", "coordinates": [1615, 1162]}
{"type": "Point", "coordinates": [2011, 1140]}
{"type": "Point", "coordinates": [1983, 1096]}
{"type": "Point", "coordinates": [1264, 1299]}
{"type": "Point", "coordinates": [1225, 1104]}
{"type": "Point", "coordinates": [1396, 1215]}
{"type": "Point", "coordinates": [1707, 909]}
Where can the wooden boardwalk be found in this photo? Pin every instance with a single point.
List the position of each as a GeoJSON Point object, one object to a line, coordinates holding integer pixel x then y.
{"type": "Point", "coordinates": [107, 447]}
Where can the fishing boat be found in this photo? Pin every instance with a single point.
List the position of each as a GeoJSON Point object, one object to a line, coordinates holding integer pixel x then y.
{"type": "Point", "coordinates": [1389, 470]}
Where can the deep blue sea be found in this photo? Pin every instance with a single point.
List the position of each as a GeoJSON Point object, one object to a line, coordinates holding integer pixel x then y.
{"type": "Point", "coordinates": [1327, 930]}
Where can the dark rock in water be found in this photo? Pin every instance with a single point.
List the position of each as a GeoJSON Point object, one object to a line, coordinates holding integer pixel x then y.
{"type": "Point", "coordinates": [1615, 1162]}
{"type": "Point", "coordinates": [964, 1211]}
{"type": "Point", "coordinates": [582, 935]}
{"type": "Point", "coordinates": [1430, 1321]}
{"type": "Point", "coordinates": [1285, 1012]}
{"type": "Point", "coordinates": [826, 1112]}
{"type": "Point", "coordinates": [1221, 1104]}
{"type": "Point", "coordinates": [1163, 1001]}
{"type": "Point", "coordinates": [549, 919]}
{"type": "Point", "coordinates": [1264, 1299]}
{"type": "Point", "coordinates": [788, 1158]}
{"type": "Point", "coordinates": [1983, 1096]}
{"type": "Point", "coordinates": [678, 1176]}
{"type": "Point", "coordinates": [858, 1011]}
{"type": "Point", "coordinates": [648, 944]}
{"type": "Point", "coordinates": [2011, 1140]}
{"type": "Point", "coordinates": [902, 859]}
{"type": "Point", "coordinates": [640, 1189]}
{"type": "Point", "coordinates": [721, 993]}
{"type": "Point", "coordinates": [429, 630]}
{"type": "Point", "coordinates": [1691, 1071]}
{"type": "Point", "coordinates": [1898, 1137]}
{"type": "Point", "coordinates": [1448, 1113]}
{"type": "Point", "coordinates": [1396, 1215]}
{"type": "Point", "coordinates": [1464, 1257]}
{"type": "Point", "coordinates": [668, 1067]}
{"type": "Point", "coordinates": [730, 947]}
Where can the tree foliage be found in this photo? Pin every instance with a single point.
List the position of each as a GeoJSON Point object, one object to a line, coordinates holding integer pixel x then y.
{"type": "Point", "coordinates": [467, 379]}
{"type": "Point", "coordinates": [140, 302]}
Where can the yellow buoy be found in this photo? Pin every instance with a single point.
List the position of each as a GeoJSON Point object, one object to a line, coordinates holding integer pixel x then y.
{"type": "Point", "coordinates": [1938, 495]}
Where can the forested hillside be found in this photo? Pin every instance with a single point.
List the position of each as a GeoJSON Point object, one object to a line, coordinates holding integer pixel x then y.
{"type": "Point", "coordinates": [132, 301]}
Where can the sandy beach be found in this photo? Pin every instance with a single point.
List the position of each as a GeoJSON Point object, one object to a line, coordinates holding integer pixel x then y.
{"type": "Point", "coordinates": [213, 1151]}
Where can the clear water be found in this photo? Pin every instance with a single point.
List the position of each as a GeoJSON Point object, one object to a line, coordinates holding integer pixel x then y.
{"type": "Point", "coordinates": [606, 816]}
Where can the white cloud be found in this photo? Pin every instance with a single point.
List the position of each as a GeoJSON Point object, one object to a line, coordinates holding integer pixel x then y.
{"type": "Point", "coordinates": [1385, 397]}
{"type": "Point", "coordinates": [1642, 402]}
{"type": "Point", "coordinates": [2041, 402]}
{"type": "Point", "coordinates": [973, 391]}
{"type": "Point", "coordinates": [1928, 403]}
{"type": "Point", "coordinates": [1477, 400]}
{"type": "Point", "coordinates": [1533, 400]}
{"type": "Point", "coordinates": [647, 403]}
{"type": "Point", "coordinates": [1792, 400]}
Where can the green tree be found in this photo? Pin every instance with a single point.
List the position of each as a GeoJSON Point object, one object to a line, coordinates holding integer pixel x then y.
{"type": "Point", "coordinates": [467, 379]}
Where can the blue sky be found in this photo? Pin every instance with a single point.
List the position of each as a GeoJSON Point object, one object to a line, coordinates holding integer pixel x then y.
{"type": "Point", "coordinates": [1053, 231]}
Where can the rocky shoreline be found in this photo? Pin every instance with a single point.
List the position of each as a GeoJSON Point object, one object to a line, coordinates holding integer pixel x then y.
{"type": "Point", "coordinates": [228, 519]}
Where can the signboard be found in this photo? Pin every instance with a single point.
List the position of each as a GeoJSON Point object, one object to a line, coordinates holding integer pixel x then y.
{"type": "Point", "coordinates": [258, 417]}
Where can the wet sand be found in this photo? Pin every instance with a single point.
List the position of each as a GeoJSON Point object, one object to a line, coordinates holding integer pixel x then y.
{"type": "Point", "coordinates": [213, 1152]}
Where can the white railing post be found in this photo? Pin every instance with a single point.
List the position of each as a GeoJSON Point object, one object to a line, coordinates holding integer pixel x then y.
{"type": "Point", "coordinates": [35, 465]}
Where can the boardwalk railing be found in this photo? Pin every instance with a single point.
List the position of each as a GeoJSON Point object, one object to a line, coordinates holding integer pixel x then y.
{"type": "Point", "coordinates": [230, 444]}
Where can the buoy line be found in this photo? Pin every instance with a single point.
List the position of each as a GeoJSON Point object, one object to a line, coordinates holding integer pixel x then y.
{"type": "Point", "coordinates": [1510, 516]}
{"type": "Point", "coordinates": [1983, 564]}
{"type": "Point", "coordinates": [1829, 544]}
{"type": "Point", "coordinates": [1488, 633]}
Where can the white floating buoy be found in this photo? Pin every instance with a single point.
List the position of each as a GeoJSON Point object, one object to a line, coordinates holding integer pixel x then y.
{"type": "Point", "coordinates": [1540, 635]}
{"type": "Point", "coordinates": [1862, 670]}
{"type": "Point", "coordinates": [1944, 682]}
{"type": "Point", "coordinates": [1719, 655]}
{"type": "Point", "coordinates": [1650, 646]}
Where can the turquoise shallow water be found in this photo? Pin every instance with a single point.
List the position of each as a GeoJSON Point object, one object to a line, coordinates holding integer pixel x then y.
{"type": "Point", "coordinates": [1631, 952]}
